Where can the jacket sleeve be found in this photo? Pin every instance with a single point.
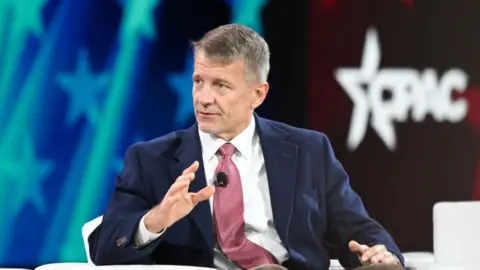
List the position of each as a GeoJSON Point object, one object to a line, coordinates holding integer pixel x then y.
{"type": "Point", "coordinates": [347, 216]}
{"type": "Point", "coordinates": [113, 241]}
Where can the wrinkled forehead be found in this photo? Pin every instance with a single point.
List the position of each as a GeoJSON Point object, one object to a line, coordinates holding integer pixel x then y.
{"type": "Point", "coordinates": [218, 67]}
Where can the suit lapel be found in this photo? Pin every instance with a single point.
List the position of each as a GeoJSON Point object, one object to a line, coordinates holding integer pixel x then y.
{"type": "Point", "coordinates": [190, 150]}
{"type": "Point", "coordinates": [281, 167]}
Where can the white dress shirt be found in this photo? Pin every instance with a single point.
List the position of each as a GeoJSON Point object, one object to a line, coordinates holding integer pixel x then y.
{"type": "Point", "coordinates": [259, 227]}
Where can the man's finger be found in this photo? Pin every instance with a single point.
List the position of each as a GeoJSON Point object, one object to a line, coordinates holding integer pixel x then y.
{"type": "Point", "coordinates": [203, 194]}
{"type": "Point", "coordinates": [377, 258]}
{"type": "Point", "coordinates": [192, 169]}
{"type": "Point", "coordinates": [186, 177]}
{"type": "Point", "coordinates": [178, 186]}
{"type": "Point", "coordinates": [356, 247]}
{"type": "Point", "coordinates": [367, 255]}
{"type": "Point", "coordinates": [389, 258]}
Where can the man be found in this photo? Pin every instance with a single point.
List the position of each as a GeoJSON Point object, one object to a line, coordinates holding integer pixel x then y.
{"type": "Point", "coordinates": [236, 188]}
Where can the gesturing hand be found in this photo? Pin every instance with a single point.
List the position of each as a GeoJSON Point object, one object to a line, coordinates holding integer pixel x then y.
{"type": "Point", "coordinates": [178, 202]}
{"type": "Point", "coordinates": [372, 255]}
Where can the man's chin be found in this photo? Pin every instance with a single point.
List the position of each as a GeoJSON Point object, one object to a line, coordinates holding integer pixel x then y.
{"type": "Point", "coordinates": [206, 127]}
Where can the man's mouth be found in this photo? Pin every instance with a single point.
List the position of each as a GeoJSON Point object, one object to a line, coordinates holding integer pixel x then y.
{"type": "Point", "coordinates": [206, 113]}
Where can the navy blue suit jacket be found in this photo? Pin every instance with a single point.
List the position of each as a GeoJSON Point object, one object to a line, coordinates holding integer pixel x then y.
{"type": "Point", "coordinates": [311, 198]}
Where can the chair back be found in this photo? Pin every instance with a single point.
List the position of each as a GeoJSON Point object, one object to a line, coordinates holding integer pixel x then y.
{"type": "Point", "coordinates": [456, 234]}
{"type": "Point", "coordinates": [87, 229]}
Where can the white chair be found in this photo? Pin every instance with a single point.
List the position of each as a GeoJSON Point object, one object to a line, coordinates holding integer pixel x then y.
{"type": "Point", "coordinates": [84, 266]}
{"type": "Point", "coordinates": [418, 258]}
{"type": "Point", "coordinates": [69, 266]}
{"type": "Point", "coordinates": [456, 227]}
{"type": "Point", "coordinates": [87, 229]}
{"type": "Point", "coordinates": [335, 263]}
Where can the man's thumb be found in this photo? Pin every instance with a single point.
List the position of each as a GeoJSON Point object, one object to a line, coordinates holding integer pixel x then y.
{"type": "Point", "coordinates": [355, 247]}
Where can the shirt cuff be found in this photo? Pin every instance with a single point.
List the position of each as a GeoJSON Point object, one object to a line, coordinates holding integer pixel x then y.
{"type": "Point", "coordinates": [143, 236]}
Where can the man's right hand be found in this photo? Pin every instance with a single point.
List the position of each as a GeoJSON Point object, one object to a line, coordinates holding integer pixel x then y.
{"type": "Point", "coordinates": [178, 202]}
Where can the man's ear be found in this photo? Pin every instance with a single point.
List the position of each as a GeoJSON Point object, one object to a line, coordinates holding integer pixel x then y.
{"type": "Point", "coordinates": [260, 93]}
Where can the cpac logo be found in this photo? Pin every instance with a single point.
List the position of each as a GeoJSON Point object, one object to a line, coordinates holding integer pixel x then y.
{"type": "Point", "coordinates": [413, 93]}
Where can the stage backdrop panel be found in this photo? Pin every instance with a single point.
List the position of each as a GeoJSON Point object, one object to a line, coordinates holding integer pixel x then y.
{"type": "Point", "coordinates": [396, 87]}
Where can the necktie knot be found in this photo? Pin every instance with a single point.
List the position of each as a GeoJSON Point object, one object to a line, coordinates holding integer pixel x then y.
{"type": "Point", "coordinates": [227, 150]}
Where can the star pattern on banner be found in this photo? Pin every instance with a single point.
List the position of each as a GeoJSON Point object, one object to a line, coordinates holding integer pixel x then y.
{"type": "Point", "coordinates": [26, 174]}
{"type": "Point", "coordinates": [85, 89]}
{"type": "Point", "coordinates": [28, 16]}
{"type": "Point", "coordinates": [181, 84]}
{"type": "Point", "coordinates": [117, 164]}
{"type": "Point", "coordinates": [139, 18]}
{"type": "Point", "coordinates": [248, 13]}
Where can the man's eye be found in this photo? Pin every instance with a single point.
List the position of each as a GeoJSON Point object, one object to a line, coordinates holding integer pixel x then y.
{"type": "Point", "coordinates": [221, 85]}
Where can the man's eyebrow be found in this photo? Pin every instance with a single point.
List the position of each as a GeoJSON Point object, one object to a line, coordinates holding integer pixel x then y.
{"type": "Point", "coordinates": [216, 79]}
{"type": "Point", "coordinates": [223, 80]}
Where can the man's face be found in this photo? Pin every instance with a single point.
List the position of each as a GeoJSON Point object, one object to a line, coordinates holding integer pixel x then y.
{"type": "Point", "coordinates": [223, 99]}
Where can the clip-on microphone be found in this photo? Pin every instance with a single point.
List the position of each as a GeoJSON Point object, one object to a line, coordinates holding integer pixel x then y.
{"type": "Point", "coordinates": [221, 179]}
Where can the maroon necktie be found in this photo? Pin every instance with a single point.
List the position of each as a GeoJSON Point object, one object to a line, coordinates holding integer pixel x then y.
{"type": "Point", "coordinates": [228, 217]}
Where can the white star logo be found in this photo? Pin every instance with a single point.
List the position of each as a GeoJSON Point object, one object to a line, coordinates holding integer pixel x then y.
{"type": "Point", "coordinates": [420, 93]}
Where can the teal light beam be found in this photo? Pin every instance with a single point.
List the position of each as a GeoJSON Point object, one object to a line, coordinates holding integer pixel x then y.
{"type": "Point", "coordinates": [63, 210]}
{"type": "Point", "coordinates": [248, 13]}
{"type": "Point", "coordinates": [4, 8]}
{"type": "Point", "coordinates": [138, 22]}
{"type": "Point", "coordinates": [23, 116]}
{"type": "Point", "coordinates": [27, 18]}
{"type": "Point", "coordinates": [83, 86]}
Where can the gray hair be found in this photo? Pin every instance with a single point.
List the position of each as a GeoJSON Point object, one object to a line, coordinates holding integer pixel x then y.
{"type": "Point", "coordinates": [231, 42]}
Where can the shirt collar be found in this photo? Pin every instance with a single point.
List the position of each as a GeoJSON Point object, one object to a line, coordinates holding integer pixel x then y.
{"type": "Point", "coordinates": [243, 142]}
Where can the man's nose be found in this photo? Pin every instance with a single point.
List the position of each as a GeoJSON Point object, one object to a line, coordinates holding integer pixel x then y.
{"type": "Point", "coordinates": [205, 97]}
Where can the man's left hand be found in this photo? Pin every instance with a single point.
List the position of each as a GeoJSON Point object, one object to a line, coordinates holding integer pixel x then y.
{"type": "Point", "coordinates": [372, 255]}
